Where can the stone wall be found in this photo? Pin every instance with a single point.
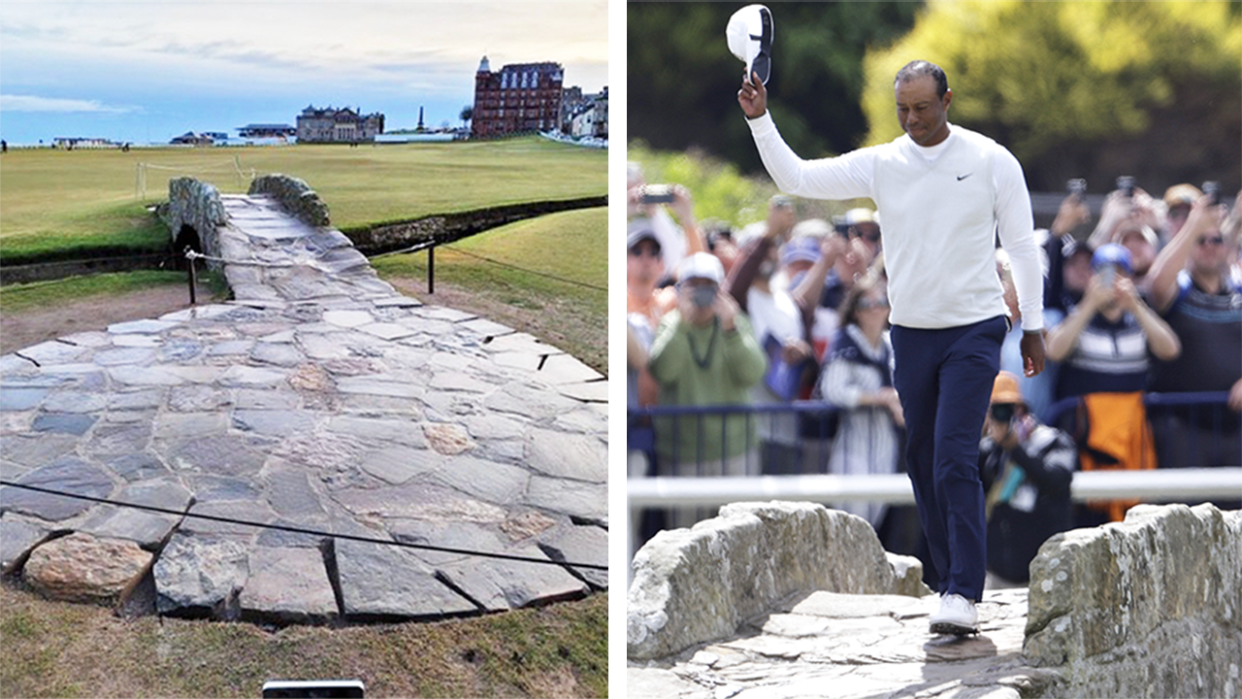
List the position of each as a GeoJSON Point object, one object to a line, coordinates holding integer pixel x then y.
{"type": "Point", "coordinates": [446, 228]}
{"type": "Point", "coordinates": [197, 205]}
{"type": "Point", "coordinates": [697, 585]}
{"type": "Point", "coordinates": [295, 196]}
{"type": "Point", "coordinates": [1147, 607]}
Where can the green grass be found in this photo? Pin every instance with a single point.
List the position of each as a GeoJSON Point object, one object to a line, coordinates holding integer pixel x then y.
{"type": "Point", "coordinates": [23, 297]}
{"type": "Point", "coordinates": [51, 200]}
{"type": "Point", "coordinates": [538, 290]}
{"type": "Point", "coordinates": [56, 649]}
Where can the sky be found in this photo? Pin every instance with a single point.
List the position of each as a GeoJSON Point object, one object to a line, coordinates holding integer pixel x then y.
{"type": "Point", "coordinates": [148, 71]}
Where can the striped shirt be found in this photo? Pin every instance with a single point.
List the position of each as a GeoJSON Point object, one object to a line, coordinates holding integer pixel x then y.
{"type": "Point", "coordinates": [1109, 358]}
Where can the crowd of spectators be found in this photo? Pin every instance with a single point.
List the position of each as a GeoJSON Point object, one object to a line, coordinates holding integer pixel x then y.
{"type": "Point", "coordinates": [1147, 300]}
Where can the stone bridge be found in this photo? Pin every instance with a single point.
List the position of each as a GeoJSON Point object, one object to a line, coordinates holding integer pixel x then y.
{"type": "Point", "coordinates": [319, 399]}
{"type": "Point", "coordinates": [780, 599]}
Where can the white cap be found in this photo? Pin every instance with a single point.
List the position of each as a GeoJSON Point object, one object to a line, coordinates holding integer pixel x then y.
{"type": "Point", "coordinates": [749, 34]}
{"type": "Point", "coordinates": [701, 265]}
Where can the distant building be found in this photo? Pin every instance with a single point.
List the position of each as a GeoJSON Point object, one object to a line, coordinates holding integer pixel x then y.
{"type": "Point", "coordinates": [338, 125]}
{"type": "Point", "coordinates": [71, 142]}
{"type": "Point", "coordinates": [584, 115]}
{"type": "Point", "coordinates": [216, 136]}
{"type": "Point", "coordinates": [266, 131]}
{"type": "Point", "coordinates": [519, 98]}
{"type": "Point", "coordinates": [189, 138]}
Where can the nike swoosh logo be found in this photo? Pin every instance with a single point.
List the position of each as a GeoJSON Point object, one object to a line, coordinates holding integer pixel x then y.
{"type": "Point", "coordinates": [962, 177]}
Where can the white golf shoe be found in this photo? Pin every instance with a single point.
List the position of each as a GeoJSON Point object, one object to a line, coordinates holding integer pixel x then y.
{"type": "Point", "coordinates": [957, 615]}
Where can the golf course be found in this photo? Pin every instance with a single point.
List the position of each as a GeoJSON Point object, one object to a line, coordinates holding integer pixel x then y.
{"type": "Point", "coordinates": [83, 204]}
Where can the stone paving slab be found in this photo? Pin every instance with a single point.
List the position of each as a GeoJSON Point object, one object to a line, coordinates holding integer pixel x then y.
{"type": "Point", "coordinates": [320, 399]}
{"type": "Point", "coordinates": [839, 645]}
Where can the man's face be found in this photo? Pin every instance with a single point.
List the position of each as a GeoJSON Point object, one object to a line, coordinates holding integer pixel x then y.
{"type": "Point", "coordinates": [1077, 271]}
{"type": "Point", "coordinates": [1142, 252]}
{"type": "Point", "coordinates": [697, 298]}
{"type": "Point", "coordinates": [869, 234]}
{"type": "Point", "coordinates": [643, 264]}
{"type": "Point", "coordinates": [923, 114]}
{"type": "Point", "coordinates": [1211, 254]}
{"type": "Point", "coordinates": [1177, 217]}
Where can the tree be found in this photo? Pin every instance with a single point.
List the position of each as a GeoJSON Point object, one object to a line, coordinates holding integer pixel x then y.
{"type": "Point", "coordinates": [1094, 89]}
{"type": "Point", "coordinates": [682, 78]}
{"type": "Point", "coordinates": [467, 114]}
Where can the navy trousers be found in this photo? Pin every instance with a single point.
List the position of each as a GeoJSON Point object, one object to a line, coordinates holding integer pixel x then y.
{"type": "Point", "coordinates": [944, 378]}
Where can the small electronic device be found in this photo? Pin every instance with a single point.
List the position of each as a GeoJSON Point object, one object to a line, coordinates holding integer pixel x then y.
{"type": "Point", "coordinates": [1212, 190]}
{"type": "Point", "coordinates": [351, 689]}
{"type": "Point", "coordinates": [1077, 186]}
{"type": "Point", "coordinates": [657, 194]}
{"type": "Point", "coordinates": [1125, 183]}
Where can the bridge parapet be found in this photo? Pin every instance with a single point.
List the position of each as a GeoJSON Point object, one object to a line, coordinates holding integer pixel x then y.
{"type": "Point", "coordinates": [295, 197]}
{"type": "Point", "coordinates": [195, 205]}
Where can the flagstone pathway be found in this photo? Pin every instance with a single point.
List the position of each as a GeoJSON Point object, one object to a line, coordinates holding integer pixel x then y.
{"type": "Point", "coordinates": [319, 398]}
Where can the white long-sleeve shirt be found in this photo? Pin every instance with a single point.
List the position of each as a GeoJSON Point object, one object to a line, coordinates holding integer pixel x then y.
{"type": "Point", "coordinates": [941, 208]}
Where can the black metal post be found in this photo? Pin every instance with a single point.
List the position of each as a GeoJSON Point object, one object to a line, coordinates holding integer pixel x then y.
{"type": "Point", "coordinates": [193, 278]}
{"type": "Point", "coordinates": [431, 269]}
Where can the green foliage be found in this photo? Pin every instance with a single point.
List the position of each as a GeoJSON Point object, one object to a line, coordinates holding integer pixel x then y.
{"type": "Point", "coordinates": [1038, 75]}
{"type": "Point", "coordinates": [683, 81]}
{"type": "Point", "coordinates": [718, 188]}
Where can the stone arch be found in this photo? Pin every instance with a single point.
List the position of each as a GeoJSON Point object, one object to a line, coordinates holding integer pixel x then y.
{"type": "Point", "coordinates": [186, 237]}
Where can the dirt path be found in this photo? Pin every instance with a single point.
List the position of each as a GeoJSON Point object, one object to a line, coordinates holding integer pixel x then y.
{"type": "Point", "coordinates": [32, 326]}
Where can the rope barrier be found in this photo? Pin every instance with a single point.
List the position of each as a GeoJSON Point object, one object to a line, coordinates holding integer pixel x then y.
{"type": "Point", "coordinates": [300, 530]}
{"type": "Point", "coordinates": [528, 271]}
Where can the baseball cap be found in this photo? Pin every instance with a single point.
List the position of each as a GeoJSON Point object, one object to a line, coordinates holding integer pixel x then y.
{"type": "Point", "coordinates": [800, 250]}
{"type": "Point", "coordinates": [853, 217]}
{"type": "Point", "coordinates": [749, 34]}
{"type": "Point", "coordinates": [1112, 254]}
{"type": "Point", "coordinates": [701, 265]}
{"type": "Point", "coordinates": [639, 230]}
{"type": "Point", "coordinates": [1181, 195]}
{"type": "Point", "coordinates": [1005, 389]}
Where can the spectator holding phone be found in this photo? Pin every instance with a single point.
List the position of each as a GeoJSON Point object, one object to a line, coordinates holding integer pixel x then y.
{"type": "Point", "coordinates": [1192, 288]}
{"type": "Point", "coordinates": [1104, 346]}
{"type": "Point", "coordinates": [650, 201]}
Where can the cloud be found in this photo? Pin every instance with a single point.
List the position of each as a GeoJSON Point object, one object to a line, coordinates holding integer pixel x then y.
{"type": "Point", "coordinates": [32, 103]}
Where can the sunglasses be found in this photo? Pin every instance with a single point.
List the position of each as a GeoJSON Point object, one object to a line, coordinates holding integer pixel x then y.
{"type": "Point", "coordinates": [864, 304]}
{"type": "Point", "coordinates": [869, 237]}
{"type": "Point", "coordinates": [1214, 240]}
{"type": "Point", "coordinates": [645, 250]}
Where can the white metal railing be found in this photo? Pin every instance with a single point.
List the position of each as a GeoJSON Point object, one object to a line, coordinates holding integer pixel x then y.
{"type": "Point", "coordinates": [1153, 486]}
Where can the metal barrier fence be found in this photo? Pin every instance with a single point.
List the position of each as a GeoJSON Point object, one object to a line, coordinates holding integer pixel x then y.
{"type": "Point", "coordinates": [1186, 426]}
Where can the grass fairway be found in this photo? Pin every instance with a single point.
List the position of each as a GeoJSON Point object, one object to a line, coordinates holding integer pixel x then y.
{"type": "Point", "coordinates": [58, 649]}
{"type": "Point", "coordinates": [52, 200]}
{"type": "Point", "coordinates": [543, 287]}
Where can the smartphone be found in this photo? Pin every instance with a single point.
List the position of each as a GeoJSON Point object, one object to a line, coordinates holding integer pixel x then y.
{"type": "Point", "coordinates": [657, 194]}
{"type": "Point", "coordinates": [1108, 275]}
{"type": "Point", "coordinates": [1212, 189]}
{"type": "Point", "coordinates": [1126, 184]}
{"type": "Point", "coordinates": [1077, 187]}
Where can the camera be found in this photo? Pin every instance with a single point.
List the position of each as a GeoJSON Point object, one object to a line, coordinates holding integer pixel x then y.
{"type": "Point", "coordinates": [1077, 186]}
{"type": "Point", "coordinates": [657, 194]}
{"type": "Point", "coordinates": [1212, 189]}
{"type": "Point", "coordinates": [1126, 184]}
{"type": "Point", "coordinates": [1002, 412]}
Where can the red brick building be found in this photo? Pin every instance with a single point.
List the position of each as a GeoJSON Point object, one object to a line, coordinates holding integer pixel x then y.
{"type": "Point", "coordinates": [522, 97]}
